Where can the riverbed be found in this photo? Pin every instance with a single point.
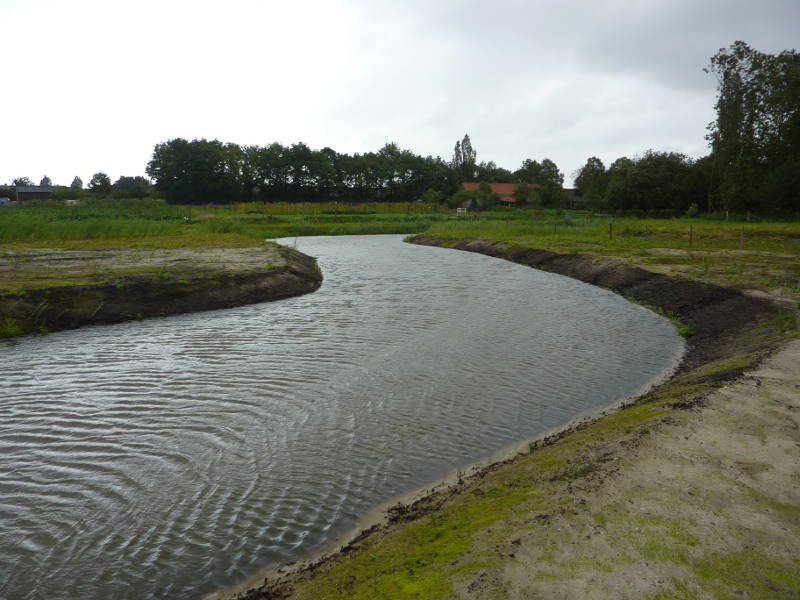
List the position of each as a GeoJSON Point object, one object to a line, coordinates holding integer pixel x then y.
{"type": "Point", "coordinates": [175, 456]}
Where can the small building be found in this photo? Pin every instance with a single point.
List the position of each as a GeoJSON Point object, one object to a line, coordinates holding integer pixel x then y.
{"type": "Point", "coordinates": [505, 191]}
{"type": "Point", "coordinates": [4, 201]}
{"type": "Point", "coordinates": [33, 192]}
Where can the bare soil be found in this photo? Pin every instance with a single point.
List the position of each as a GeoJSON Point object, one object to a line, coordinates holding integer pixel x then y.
{"type": "Point", "coordinates": [44, 267]}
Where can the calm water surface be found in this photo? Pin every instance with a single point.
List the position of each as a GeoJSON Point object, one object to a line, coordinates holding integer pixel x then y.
{"type": "Point", "coordinates": [174, 456]}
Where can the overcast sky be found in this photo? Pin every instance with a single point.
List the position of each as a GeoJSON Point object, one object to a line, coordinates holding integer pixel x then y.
{"type": "Point", "coordinates": [93, 85]}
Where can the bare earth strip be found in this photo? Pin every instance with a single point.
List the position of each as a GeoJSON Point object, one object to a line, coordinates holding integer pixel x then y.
{"type": "Point", "coordinates": [36, 268]}
{"type": "Point", "coordinates": [707, 506]}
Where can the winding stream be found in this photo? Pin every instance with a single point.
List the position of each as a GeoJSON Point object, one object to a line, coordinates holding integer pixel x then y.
{"type": "Point", "coordinates": [173, 457]}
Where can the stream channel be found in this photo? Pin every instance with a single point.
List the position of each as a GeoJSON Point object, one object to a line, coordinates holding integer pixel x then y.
{"type": "Point", "coordinates": [173, 457]}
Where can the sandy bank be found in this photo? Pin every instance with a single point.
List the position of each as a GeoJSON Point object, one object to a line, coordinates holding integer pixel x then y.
{"type": "Point", "coordinates": [692, 490]}
{"type": "Point", "coordinates": [49, 290]}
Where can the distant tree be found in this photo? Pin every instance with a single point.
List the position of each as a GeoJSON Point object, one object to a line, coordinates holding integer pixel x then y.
{"type": "Point", "coordinates": [529, 172]}
{"type": "Point", "coordinates": [46, 181]}
{"type": "Point", "coordinates": [552, 182]}
{"type": "Point", "coordinates": [100, 184]}
{"type": "Point", "coordinates": [22, 182]}
{"type": "Point", "coordinates": [464, 160]}
{"type": "Point", "coordinates": [489, 171]}
{"type": "Point", "coordinates": [133, 187]}
{"type": "Point", "coordinates": [591, 180]}
{"type": "Point", "coordinates": [658, 182]}
{"type": "Point", "coordinates": [77, 183]}
{"type": "Point", "coordinates": [203, 171]}
{"type": "Point", "coordinates": [618, 194]}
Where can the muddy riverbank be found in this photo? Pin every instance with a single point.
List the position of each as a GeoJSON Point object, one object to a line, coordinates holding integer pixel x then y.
{"type": "Point", "coordinates": [50, 290]}
{"type": "Point", "coordinates": [688, 491]}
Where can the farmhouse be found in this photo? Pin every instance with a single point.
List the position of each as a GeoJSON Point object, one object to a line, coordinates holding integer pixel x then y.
{"type": "Point", "coordinates": [505, 191]}
{"type": "Point", "coordinates": [33, 192]}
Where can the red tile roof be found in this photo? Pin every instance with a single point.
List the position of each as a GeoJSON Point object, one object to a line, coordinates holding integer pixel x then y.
{"type": "Point", "coordinates": [504, 190]}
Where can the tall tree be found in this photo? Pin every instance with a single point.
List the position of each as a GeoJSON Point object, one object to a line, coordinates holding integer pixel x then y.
{"type": "Point", "coordinates": [757, 129]}
{"type": "Point", "coordinates": [618, 194]}
{"type": "Point", "coordinates": [552, 182]}
{"type": "Point", "coordinates": [22, 182]}
{"type": "Point", "coordinates": [77, 183]}
{"type": "Point", "coordinates": [591, 180]}
{"type": "Point", "coordinates": [464, 160]}
{"type": "Point", "coordinates": [46, 181]}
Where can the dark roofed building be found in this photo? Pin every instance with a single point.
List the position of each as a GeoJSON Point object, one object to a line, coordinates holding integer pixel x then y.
{"type": "Point", "coordinates": [33, 192]}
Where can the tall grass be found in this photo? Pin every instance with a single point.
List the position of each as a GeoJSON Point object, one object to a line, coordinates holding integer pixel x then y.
{"type": "Point", "coordinates": [190, 225]}
{"type": "Point", "coordinates": [26, 226]}
{"type": "Point", "coordinates": [154, 223]}
{"type": "Point", "coordinates": [605, 235]}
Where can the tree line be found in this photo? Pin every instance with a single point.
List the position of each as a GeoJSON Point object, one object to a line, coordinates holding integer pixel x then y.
{"type": "Point", "coordinates": [200, 171]}
{"type": "Point", "coordinates": [99, 186]}
{"type": "Point", "coordinates": [754, 163]}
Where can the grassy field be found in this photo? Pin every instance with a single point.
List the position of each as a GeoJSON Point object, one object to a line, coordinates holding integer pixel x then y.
{"type": "Point", "coordinates": [763, 255]}
{"type": "Point", "coordinates": [159, 225]}
{"type": "Point", "coordinates": [753, 255]}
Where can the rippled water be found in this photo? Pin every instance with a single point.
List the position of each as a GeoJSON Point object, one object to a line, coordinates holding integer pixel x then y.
{"type": "Point", "coordinates": [174, 456]}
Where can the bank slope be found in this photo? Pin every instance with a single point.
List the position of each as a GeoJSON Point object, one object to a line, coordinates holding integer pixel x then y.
{"type": "Point", "coordinates": [52, 290]}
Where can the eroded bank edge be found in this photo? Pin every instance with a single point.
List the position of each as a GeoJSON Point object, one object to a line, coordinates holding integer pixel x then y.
{"type": "Point", "coordinates": [149, 295]}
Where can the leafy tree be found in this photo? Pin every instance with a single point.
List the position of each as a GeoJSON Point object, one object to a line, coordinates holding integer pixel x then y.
{"type": "Point", "coordinates": [22, 182]}
{"type": "Point", "coordinates": [757, 129]}
{"type": "Point", "coordinates": [659, 182]}
{"type": "Point", "coordinates": [133, 187]}
{"type": "Point", "coordinates": [100, 184]}
{"type": "Point", "coordinates": [529, 172]}
{"type": "Point", "coordinates": [46, 181]}
{"type": "Point", "coordinates": [77, 183]}
{"type": "Point", "coordinates": [197, 172]}
{"type": "Point", "coordinates": [552, 182]}
{"type": "Point", "coordinates": [488, 171]}
{"type": "Point", "coordinates": [591, 180]}
{"type": "Point", "coordinates": [619, 194]}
